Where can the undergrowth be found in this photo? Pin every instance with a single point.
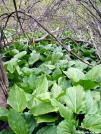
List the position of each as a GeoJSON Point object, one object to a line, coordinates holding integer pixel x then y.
{"type": "Point", "coordinates": [50, 91]}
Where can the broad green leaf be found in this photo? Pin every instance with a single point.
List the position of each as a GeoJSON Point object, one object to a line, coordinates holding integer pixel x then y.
{"type": "Point", "coordinates": [17, 99]}
{"type": "Point", "coordinates": [94, 73]}
{"type": "Point", "coordinates": [56, 56]}
{"type": "Point", "coordinates": [65, 112]}
{"type": "Point", "coordinates": [45, 97]}
{"type": "Point", "coordinates": [20, 54]}
{"type": "Point", "coordinates": [34, 56]}
{"type": "Point", "coordinates": [11, 65]}
{"type": "Point", "coordinates": [30, 121]}
{"type": "Point", "coordinates": [33, 102]}
{"type": "Point", "coordinates": [47, 118]}
{"type": "Point", "coordinates": [24, 85]}
{"type": "Point", "coordinates": [44, 48]}
{"type": "Point", "coordinates": [41, 85]}
{"type": "Point", "coordinates": [6, 132]}
{"type": "Point", "coordinates": [56, 91]}
{"type": "Point", "coordinates": [37, 71]}
{"type": "Point", "coordinates": [17, 122]}
{"type": "Point", "coordinates": [92, 123]}
{"type": "Point", "coordinates": [63, 83]}
{"type": "Point", "coordinates": [71, 63]}
{"type": "Point", "coordinates": [75, 99]}
{"type": "Point", "coordinates": [15, 51]}
{"type": "Point", "coordinates": [56, 74]}
{"type": "Point", "coordinates": [87, 84]}
{"type": "Point", "coordinates": [31, 80]}
{"type": "Point", "coordinates": [90, 107]}
{"type": "Point", "coordinates": [27, 71]}
{"type": "Point", "coordinates": [80, 65]}
{"type": "Point", "coordinates": [74, 74]}
{"type": "Point", "coordinates": [66, 127]}
{"type": "Point", "coordinates": [96, 97]}
{"type": "Point", "coordinates": [62, 64]}
{"type": "Point", "coordinates": [43, 108]}
{"type": "Point", "coordinates": [28, 96]}
{"type": "Point", "coordinates": [50, 83]}
{"type": "Point", "coordinates": [44, 69]}
{"type": "Point", "coordinates": [51, 67]}
{"type": "Point", "coordinates": [3, 114]}
{"type": "Point", "coordinates": [48, 130]}
{"type": "Point", "coordinates": [18, 70]}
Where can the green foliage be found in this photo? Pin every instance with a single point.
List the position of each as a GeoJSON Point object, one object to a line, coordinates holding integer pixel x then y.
{"type": "Point", "coordinates": [17, 122]}
{"type": "Point", "coordinates": [92, 123]}
{"type": "Point", "coordinates": [48, 130]}
{"type": "Point", "coordinates": [49, 94]}
{"type": "Point", "coordinates": [17, 99]}
{"type": "Point", "coordinates": [66, 127]}
{"type": "Point", "coordinates": [75, 99]}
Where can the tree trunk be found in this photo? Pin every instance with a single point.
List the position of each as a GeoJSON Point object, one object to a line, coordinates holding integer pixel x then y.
{"type": "Point", "coordinates": [3, 92]}
{"type": "Point", "coordinates": [3, 86]}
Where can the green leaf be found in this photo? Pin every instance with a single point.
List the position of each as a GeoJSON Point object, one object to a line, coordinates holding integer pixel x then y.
{"type": "Point", "coordinates": [27, 71]}
{"type": "Point", "coordinates": [71, 63]}
{"type": "Point", "coordinates": [66, 127]}
{"type": "Point", "coordinates": [65, 112]}
{"type": "Point", "coordinates": [74, 74]}
{"type": "Point", "coordinates": [50, 67]}
{"type": "Point", "coordinates": [20, 54]}
{"type": "Point", "coordinates": [43, 108]}
{"type": "Point", "coordinates": [62, 64]}
{"type": "Point", "coordinates": [28, 96]}
{"type": "Point", "coordinates": [31, 80]}
{"type": "Point", "coordinates": [33, 102]}
{"type": "Point", "coordinates": [45, 97]}
{"type": "Point", "coordinates": [18, 70]}
{"type": "Point", "coordinates": [48, 130]}
{"type": "Point", "coordinates": [80, 65]}
{"type": "Point", "coordinates": [96, 97]}
{"type": "Point", "coordinates": [56, 91]}
{"type": "Point", "coordinates": [56, 56]}
{"type": "Point", "coordinates": [15, 51]}
{"type": "Point", "coordinates": [41, 85]}
{"type": "Point", "coordinates": [33, 57]}
{"type": "Point", "coordinates": [92, 123]}
{"type": "Point", "coordinates": [11, 65]}
{"type": "Point", "coordinates": [3, 114]}
{"type": "Point", "coordinates": [90, 107]}
{"type": "Point", "coordinates": [24, 85]}
{"type": "Point", "coordinates": [30, 121]}
{"type": "Point", "coordinates": [63, 83]}
{"type": "Point", "coordinates": [57, 73]}
{"type": "Point", "coordinates": [87, 84]}
{"type": "Point", "coordinates": [44, 69]}
{"type": "Point", "coordinates": [47, 118]}
{"type": "Point", "coordinates": [6, 132]}
{"type": "Point", "coordinates": [17, 99]}
{"type": "Point", "coordinates": [94, 73]}
{"type": "Point", "coordinates": [75, 99]}
{"type": "Point", "coordinates": [17, 122]}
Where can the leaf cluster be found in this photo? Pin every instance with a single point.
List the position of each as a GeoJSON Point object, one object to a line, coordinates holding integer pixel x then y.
{"type": "Point", "coordinates": [50, 93]}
